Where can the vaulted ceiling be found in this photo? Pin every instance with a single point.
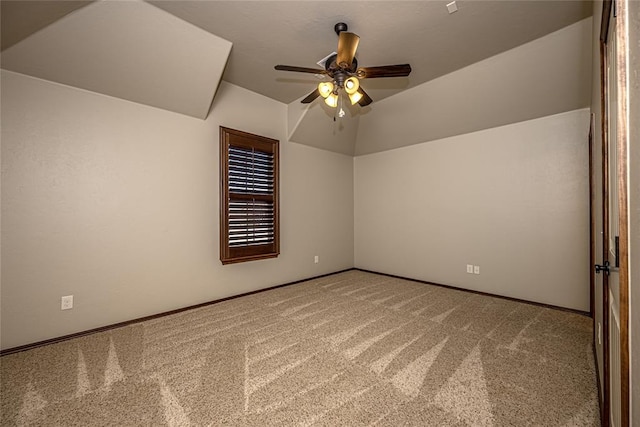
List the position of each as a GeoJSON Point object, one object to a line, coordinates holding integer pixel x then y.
{"type": "Point", "coordinates": [173, 54]}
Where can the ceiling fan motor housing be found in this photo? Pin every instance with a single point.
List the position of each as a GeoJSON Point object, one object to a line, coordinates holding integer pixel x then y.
{"type": "Point", "coordinates": [331, 65]}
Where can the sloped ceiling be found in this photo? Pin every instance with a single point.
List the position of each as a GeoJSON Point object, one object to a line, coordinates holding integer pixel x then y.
{"type": "Point", "coordinates": [130, 50]}
{"type": "Point", "coordinates": [422, 33]}
{"type": "Point", "coordinates": [21, 19]}
{"type": "Point", "coordinates": [547, 76]}
{"type": "Point", "coordinates": [172, 54]}
{"type": "Point", "coordinates": [318, 125]}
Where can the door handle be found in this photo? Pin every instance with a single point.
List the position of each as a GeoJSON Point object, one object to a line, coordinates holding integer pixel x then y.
{"type": "Point", "coordinates": [604, 268]}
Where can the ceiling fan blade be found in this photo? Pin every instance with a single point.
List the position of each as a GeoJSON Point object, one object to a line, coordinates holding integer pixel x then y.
{"type": "Point", "coordinates": [300, 69]}
{"type": "Point", "coordinates": [347, 46]}
{"type": "Point", "coordinates": [400, 70]}
{"type": "Point", "coordinates": [366, 99]}
{"type": "Point", "coordinates": [309, 98]}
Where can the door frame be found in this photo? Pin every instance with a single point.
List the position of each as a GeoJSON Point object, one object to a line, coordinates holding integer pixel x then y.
{"type": "Point", "coordinates": [619, 7]}
{"type": "Point", "coordinates": [604, 167]}
{"type": "Point", "coordinates": [622, 147]}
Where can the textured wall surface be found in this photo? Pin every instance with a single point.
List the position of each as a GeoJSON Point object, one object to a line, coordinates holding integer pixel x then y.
{"type": "Point", "coordinates": [513, 200]}
{"type": "Point", "coordinates": [116, 203]}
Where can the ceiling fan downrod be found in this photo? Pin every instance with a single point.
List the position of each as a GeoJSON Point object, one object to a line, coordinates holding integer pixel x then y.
{"type": "Point", "coordinates": [340, 27]}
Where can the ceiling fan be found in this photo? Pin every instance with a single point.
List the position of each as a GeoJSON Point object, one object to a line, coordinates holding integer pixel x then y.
{"type": "Point", "coordinates": [344, 73]}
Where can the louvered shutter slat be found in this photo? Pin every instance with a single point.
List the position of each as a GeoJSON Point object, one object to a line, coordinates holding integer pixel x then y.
{"type": "Point", "coordinates": [249, 227]}
{"type": "Point", "coordinates": [251, 221]}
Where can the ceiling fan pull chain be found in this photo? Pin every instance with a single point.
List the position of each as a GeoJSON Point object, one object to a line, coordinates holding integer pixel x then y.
{"type": "Point", "coordinates": [340, 102]}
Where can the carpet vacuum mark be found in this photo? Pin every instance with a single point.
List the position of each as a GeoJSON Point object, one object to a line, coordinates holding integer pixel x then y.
{"type": "Point", "coordinates": [353, 348]}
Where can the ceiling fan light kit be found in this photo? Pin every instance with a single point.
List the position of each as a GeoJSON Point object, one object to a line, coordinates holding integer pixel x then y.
{"type": "Point", "coordinates": [342, 68]}
{"type": "Point", "coordinates": [332, 100]}
{"type": "Point", "coordinates": [355, 97]}
{"type": "Point", "coordinates": [325, 88]}
{"type": "Point", "coordinates": [351, 85]}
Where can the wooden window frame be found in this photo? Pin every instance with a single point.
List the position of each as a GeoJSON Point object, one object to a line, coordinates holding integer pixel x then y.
{"type": "Point", "coordinates": [230, 253]}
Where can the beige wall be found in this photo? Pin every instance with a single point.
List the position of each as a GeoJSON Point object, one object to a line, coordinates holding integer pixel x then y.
{"type": "Point", "coordinates": [513, 200]}
{"type": "Point", "coordinates": [117, 203]}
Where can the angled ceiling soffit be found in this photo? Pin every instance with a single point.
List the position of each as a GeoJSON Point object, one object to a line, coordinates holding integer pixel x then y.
{"type": "Point", "coordinates": [129, 50]}
{"type": "Point", "coordinates": [547, 76]}
{"type": "Point", "coordinates": [314, 125]}
{"type": "Point", "coordinates": [22, 18]}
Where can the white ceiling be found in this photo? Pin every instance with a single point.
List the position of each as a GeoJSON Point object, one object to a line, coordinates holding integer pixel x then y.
{"type": "Point", "coordinates": [172, 54]}
{"type": "Point", "coordinates": [266, 33]}
{"type": "Point", "coordinates": [422, 33]}
{"type": "Point", "coordinates": [130, 50]}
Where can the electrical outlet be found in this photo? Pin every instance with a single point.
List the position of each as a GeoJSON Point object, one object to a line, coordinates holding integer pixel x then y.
{"type": "Point", "coordinates": [476, 269]}
{"type": "Point", "coordinates": [66, 302]}
{"type": "Point", "coordinates": [316, 259]}
{"type": "Point", "coordinates": [469, 268]}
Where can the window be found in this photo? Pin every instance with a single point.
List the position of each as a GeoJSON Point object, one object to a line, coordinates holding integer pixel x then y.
{"type": "Point", "coordinates": [248, 197]}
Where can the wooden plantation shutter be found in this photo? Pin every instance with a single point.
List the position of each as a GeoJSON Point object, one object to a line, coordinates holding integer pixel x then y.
{"type": "Point", "coordinates": [248, 197]}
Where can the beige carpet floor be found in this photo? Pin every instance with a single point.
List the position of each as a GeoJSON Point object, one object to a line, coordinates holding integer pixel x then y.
{"type": "Point", "coordinates": [351, 349]}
